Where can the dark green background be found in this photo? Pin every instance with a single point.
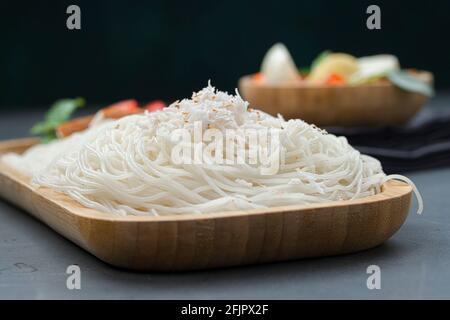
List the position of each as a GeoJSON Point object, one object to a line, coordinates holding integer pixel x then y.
{"type": "Point", "coordinates": [167, 49]}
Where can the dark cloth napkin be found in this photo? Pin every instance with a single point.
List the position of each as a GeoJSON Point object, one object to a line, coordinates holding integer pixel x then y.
{"type": "Point", "coordinates": [422, 143]}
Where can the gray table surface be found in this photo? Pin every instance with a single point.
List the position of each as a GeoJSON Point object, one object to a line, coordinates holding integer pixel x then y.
{"type": "Point", "coordinates": [415, 263]}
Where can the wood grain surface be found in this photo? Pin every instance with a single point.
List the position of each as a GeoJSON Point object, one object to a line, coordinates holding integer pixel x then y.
{"type": "Point", "coordinates": [195, 241]}
{"type": "Point", "coordinates": [375, 104]}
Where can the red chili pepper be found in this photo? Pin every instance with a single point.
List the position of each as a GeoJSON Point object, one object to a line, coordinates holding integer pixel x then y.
{"type": "Point", "coordinates": [114, 111]}
{"type": "Point", "coordinates": [121, 108]}
{"type": "Point", "coordinates": [155, 105]}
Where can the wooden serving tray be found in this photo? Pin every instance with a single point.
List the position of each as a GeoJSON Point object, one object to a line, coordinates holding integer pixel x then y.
{"type": "Point", "coordinates": [373, 104]}
{"type": "Point", "coordinates": [197, 241]}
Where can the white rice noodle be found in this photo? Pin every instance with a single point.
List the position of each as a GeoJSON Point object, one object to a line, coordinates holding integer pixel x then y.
{"type": "Point", "coordinates": [124, 167]}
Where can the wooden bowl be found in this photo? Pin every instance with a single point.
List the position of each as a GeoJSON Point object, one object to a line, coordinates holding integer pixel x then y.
{"type": "Point", "coordinates": [196, 241]}
{"type": "Point", "coordinates": [375, 104]}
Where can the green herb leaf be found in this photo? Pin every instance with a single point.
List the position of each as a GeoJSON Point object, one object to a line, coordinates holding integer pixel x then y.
{"type": "Point", "coordinates": [58, 113]}
{"type": "Point", "coordinates": [48, 137]}
{"type": "Point", "coordinates": [62, 109]}
{"type": "Point", "coordinates": [42, 127]}
{"type": "Point", "coordinates": [406, 81]}
{"type": "Point", "coordinates": [319, 58]}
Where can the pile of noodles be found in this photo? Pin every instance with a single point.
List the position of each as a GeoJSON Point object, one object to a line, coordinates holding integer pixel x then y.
{"type": "Point", "coordinates": [126, 166]}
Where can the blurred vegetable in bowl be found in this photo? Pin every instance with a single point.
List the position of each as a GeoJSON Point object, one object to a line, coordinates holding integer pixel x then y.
{"type": "Point", "coordinates": [341, 64]}
{"type": "Point", "coordinates": [338, 69]}
{"type": "Point", "coordinates": [374, 67]}
{"type": "Point", "coordinates": [408, 82]}
{"type": "Point", "coordinates": [278, 66]}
